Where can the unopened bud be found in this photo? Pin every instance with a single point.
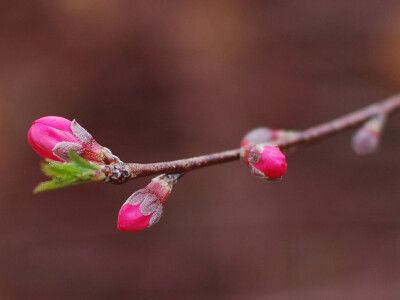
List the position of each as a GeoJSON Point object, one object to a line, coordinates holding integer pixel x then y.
{"type": "Point", "coordinates": [53, 137]}
{"type": "Point", "coordinates": [284, 134]}
{"type": "Point", "coordinates": [258, 135]}
{"type": "Point", "coordinates": [145, 207]}
{"type": "Point", "coordinates": [366, 139]}
{"type": "Point", "coordinates": [264, 160]}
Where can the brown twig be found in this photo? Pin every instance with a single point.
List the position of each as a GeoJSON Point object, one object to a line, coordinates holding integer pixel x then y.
{"type": "Point", "coordinates": [121, 173]}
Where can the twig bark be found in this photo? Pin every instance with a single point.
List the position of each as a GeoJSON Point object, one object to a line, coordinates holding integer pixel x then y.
{"type": "Point", "coordinates": [120, 173]}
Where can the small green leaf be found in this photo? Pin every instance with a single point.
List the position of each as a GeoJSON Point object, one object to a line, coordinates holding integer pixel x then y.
{"type": "Point", "coordinates": [66, 174]}
{"type": "Point", "coordinates": [55, 184]}
{"type": "Point", "coordinates": [80, 161]}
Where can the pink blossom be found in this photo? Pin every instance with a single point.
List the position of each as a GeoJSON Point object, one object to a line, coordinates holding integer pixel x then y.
{"type": "Point", "coordinates": [144, 208]}
{"type": "Point", "coordinates": [53, 137]}
{"type": "Point", "coordinates": [265, 160]}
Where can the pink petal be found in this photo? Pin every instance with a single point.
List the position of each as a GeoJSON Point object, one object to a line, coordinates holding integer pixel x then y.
{"type": "Point", "coordinates": [43, 139]}
{"type": "Point", "coordinates": [272, 162]}
{"type": "Point", "coordinates": [131, 219]}
{"type": "Point", "coordinates": [55, 122]}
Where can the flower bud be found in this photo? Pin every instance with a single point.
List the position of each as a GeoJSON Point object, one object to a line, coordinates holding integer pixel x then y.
{"type": "Point", "coordinates": [284, 134]}
{"type": "Point", "coordinates": [53, 137]}
{"type": "Point", "coordinates": [258, 135]}
{"type": "Point", "coordinates": [366, 139]}
{"type": "Point", "coordinates": [145, 207]}
{"type": "Point", "coordinates": [264, 160]}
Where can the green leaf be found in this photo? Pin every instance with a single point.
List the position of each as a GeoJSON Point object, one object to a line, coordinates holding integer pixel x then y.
{"type": "Point", "coordinates": [65, 174]}
{"type": "Point", "coordinates": [80, 161]}
{"type": "Point", "coordinates": [55, 184]}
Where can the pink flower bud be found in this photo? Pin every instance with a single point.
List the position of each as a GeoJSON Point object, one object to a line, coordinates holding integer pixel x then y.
{"type": "Point", "coordinates": [145, 207]}
{"type": "Point", "coordinates": [284, 134]}
{"type": "Point", "coordinates": [366, 139]}
{"type": "Point", "coordinates": [53, 137]}
{"type": "Point", "coordinates": [258, 135]}
{"type": "Point", "coordinates": [265, 160]}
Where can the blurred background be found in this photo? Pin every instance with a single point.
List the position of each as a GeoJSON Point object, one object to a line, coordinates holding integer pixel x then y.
{"type": "Point", "coordinates": [162, 80]}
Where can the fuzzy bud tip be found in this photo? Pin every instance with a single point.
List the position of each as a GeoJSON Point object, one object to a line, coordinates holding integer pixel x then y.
{"type": "Point", "coordinates": [258, 135]}
{"type": "Point", "coordinates": [366, 139]}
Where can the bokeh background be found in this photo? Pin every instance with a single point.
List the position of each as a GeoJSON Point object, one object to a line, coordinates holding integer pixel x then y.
{"type": "Point", "coordinates": [162, 80]}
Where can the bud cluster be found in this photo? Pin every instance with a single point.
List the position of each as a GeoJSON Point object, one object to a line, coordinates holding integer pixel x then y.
{"type": "Point", "coordinates": [258, 152]}
{"type": "Point", "coordinates": [75, 153]}
{"type": "Point", "coordinates": [72, 156]}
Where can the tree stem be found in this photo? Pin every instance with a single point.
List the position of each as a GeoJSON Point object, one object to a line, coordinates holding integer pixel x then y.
{"type": "Point", "coordinates": [184, 165]}
{"type": "Point", "coordinates": [350, 120]}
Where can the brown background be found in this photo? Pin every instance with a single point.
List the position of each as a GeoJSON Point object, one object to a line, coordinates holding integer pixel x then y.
{"type": "Point", "coordinates": [161, 80]}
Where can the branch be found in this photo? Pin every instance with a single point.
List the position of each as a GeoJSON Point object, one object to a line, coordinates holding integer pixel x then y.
{"type": "Point", "coordinates": [122, 172]}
